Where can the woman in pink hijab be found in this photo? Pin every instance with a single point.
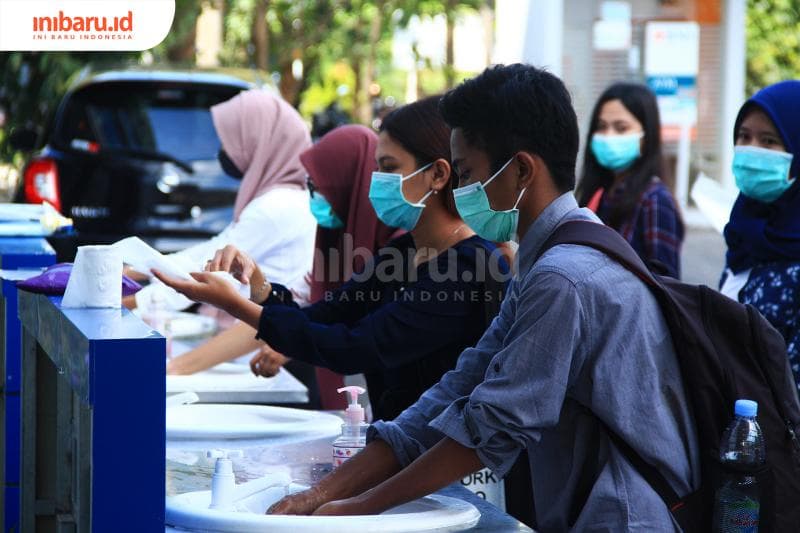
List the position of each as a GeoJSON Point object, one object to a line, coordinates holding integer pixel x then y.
{"type": "Point", "coordinates": [262, 138]}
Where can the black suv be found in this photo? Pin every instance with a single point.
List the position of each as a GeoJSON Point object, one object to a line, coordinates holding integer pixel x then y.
{"type": "Point", "coordinates": [135, 153]}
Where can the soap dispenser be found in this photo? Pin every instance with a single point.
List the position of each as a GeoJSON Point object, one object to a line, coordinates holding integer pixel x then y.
{"type": "Point", "coordinates": [354, 430]}
{"type": "Point", "coordinates": [223, 482]}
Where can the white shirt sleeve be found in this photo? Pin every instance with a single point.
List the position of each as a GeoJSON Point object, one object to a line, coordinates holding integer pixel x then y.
{"type": "Point", "coordinates": [276, 229]}
{"type": "Point", "coordinates": [734, 283]}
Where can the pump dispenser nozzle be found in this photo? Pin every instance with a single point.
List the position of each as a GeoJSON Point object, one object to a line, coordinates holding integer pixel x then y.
{"type": "Point", "coordinates": [354, 414]}
{"type": "Point", "coordinates": [354, 429]}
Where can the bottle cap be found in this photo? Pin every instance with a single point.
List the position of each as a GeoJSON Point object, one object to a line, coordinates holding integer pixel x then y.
{"type": "Point", "coordinates": [746, 408]}
{"type": "Point", "coordinates": [354, 414]}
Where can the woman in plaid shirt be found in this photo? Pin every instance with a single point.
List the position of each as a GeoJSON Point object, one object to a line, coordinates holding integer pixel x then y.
{"type": "Point", "coordinates": [620, 180]}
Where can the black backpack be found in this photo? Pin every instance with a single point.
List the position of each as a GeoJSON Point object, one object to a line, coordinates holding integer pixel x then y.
{"type": "Point", "coordinates": [726, 351]}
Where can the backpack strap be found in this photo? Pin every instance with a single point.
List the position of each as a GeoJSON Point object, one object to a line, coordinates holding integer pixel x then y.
{"type": "Point", "coordinates": [602, 238]}
{"type": "Point", "coordinates": [494, 290]}
{"type": "Point", "coordinates": [607, 240]}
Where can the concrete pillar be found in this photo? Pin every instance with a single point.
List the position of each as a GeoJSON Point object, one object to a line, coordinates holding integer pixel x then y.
{"type": "Point", "coordinates": [208, 39]}
{"type": "Point", "coordinates": [544, 35]}
{"type": "Point", "coordinates": [731, 81]}
{"type": "Point", "coordinates": [511, 20]}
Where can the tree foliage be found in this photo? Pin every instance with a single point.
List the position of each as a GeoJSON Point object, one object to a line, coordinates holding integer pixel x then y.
{"type": "Point", "coordinates": [32, 84]}
{"type": "Point", "coordinates": [340, 43]}
{"type": "Point", "coordinates": [773, 42]}
{"type": "Point", "coordinates": [178, 46]}
{"type": "Point", "coordinates": [327, 36]}
{"type": "Point", "coordinates": [273, 34]}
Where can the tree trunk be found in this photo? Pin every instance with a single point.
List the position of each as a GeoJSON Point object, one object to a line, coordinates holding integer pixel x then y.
{"type": "Point", "coordinates": [289, 87]}
{"type": "Point", "coordinates": [364, 110]}
{"type": "Point", "coordinates": [487, 14]}
{"type": "Point", "coordinates": [261, 34]}
{"type": "Point", "coordinates": [449, 67]}
{"type": "Point", "coordinates": [183, 51]}
{"type": "Point", "coordinates": [355, 66]}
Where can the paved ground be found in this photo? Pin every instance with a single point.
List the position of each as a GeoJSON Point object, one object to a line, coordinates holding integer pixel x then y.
{"type": "Point", "coordinates": [703, 252]}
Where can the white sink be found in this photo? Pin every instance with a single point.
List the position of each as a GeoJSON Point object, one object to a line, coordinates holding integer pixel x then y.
{"type": "Point", "coordinates": [241, 421]}
{"type": "Point", "coordinates": [222, 376]}
{"type": "Point", "coordinates": [432, 513]}
{"type": "Point", "coordinates": [234, 383]}
{"type": "Point", "coordinates": [229, 368]}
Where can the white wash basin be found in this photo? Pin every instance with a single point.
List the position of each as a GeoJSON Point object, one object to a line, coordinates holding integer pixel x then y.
{"type": "Point", "coordinates": [241, 421]}
{"type": "Point", "coordinates": [230, 368]}
{"type": "Point", "coordinates": [220, 377]}
{"type": "Point", "coordinates": [432, 513]}
{"type": "Point", "coordinates": [234, 383]}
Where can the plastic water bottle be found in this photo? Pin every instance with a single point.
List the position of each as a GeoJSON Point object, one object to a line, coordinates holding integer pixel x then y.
{"type": "Point", "coordinates": [737, 503]}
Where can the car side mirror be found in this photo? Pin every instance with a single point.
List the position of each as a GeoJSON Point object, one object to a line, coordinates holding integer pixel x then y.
{"type": "Point", "coordinates": [23, 139]}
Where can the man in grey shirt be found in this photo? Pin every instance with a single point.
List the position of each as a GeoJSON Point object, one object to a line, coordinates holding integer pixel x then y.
{"type": "Point", "coordinates": [579, 346]}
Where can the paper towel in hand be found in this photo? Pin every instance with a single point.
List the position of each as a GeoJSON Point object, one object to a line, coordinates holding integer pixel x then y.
{"type": "Point", "coordinates": [95, 278]}
{"type": "Point", "coordinates": [142, 258]}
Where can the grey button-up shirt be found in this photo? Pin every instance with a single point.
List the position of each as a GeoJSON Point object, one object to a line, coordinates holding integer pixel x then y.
{"type": "Point", "coordinates": [578, 339]}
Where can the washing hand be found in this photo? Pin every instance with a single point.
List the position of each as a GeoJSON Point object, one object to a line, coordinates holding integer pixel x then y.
{"type": "Point", "coordinates": [267, 362]}
{"type": "Point", "coordinates": [301, 503]}
{"type": "Point", "coordinates": [356, 505]}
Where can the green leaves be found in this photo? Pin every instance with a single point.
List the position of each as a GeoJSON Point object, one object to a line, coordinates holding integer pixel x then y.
{"type": "Point", "coordinates": [773, 42]}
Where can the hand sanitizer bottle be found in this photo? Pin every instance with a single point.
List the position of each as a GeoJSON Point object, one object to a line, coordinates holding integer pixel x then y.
{"type": "Point", "coordinates": [354, 430]}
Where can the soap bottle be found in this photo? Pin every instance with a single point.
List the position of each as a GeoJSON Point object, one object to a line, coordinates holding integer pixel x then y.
{"type": "Point", "coordinates": [354, 430]}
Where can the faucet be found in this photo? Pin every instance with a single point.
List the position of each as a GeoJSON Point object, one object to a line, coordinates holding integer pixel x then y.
{"type": "Point", "coordinates": [223, 483]}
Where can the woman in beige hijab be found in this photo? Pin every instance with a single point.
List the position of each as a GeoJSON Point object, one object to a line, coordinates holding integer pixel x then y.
{"type": "Point", "coordinates": [262, 138]}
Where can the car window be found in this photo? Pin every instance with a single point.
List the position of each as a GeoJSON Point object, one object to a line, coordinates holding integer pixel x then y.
{"type": "Point", "coordinates": [171, 119]}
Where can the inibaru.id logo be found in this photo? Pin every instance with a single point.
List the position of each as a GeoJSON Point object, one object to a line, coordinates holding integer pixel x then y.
{"type": "Point", "coordinates": [88, 27]}
{"type": "Point", "coordinates": [84, 25]}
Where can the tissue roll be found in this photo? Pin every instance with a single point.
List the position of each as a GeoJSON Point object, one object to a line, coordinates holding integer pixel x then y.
{"type": "Point", "coordinates": [95, 278]}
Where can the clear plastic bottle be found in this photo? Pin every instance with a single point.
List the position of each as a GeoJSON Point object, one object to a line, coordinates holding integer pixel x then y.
{"type": "Point", "coordinates": [737, 502]}
{"type": "Point", "coordinates": [354, 431]}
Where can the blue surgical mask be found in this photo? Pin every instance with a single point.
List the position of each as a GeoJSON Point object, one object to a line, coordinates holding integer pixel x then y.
{"type": "Point", "coordinates": [616, 152]}
{"type": "Point", "coordinates": [760, 173]}
{"type": "Point", "coordinates": [473, 206]}
{"type": "Point", "coordinates": [323, 212]}
{"type": "Point", "coordinates": [386, 195]}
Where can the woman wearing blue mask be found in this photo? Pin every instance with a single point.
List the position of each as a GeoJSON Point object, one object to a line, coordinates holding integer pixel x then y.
{"type": "Point", "coordinates": [763, 234]}
{"type": "Point", "coordinates": [622, 162]}
{"type": "Point", "coordinates": [338, 169]}
{"type": "Point", "coordinates": [404, 319]}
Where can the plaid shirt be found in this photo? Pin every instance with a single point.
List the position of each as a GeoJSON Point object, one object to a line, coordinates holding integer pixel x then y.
{"type": "Point", "coordinates": [655, 229]}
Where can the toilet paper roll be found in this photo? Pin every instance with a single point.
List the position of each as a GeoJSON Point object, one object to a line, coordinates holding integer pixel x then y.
{"type": "Point", "coordinates": [95, 278]}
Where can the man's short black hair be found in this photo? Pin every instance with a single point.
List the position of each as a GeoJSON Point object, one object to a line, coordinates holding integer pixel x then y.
{"type": "Point", "coordinates": [509, 108]}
